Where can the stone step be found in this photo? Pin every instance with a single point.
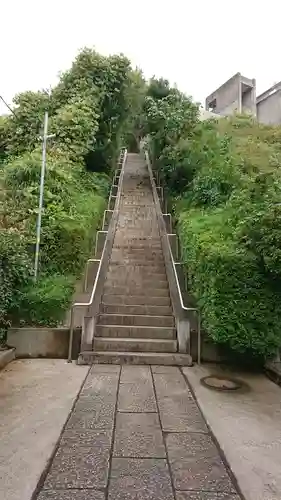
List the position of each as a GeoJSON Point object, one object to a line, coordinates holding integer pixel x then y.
{"type": "Point", "coordinates": [136, 281]}
{"type": "Point", "coordinates": [137, 272]}
{"type": "Point", "coordinates": [136, 240]}
{"type": "Point", "coordinates": [134, 345]}
{"type": "Point", "coordinates": [136, 246]}
{"type": "Point", "coordinates": [136, 290]}
{"type": "Point", "coordinates": [135, 326]}
{"type": "Point", "coordinates": [136, 250]}
{"type": "Point", "coordinates": [137, 309]}
{"type": "Point", "coordinates": [148, 266]}
{"type": "Point", "coordinates": [133, 358]}
{"type": "Point", "coordinates": [135, 332]}
{"type": "Point", "coordinates": [120, 266]}
{"type": "Point", "coordinates": [141, 258]}
{"type": "Point", "coordinates": [136, 300]}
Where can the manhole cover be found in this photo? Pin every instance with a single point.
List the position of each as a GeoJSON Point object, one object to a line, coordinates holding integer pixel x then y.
{"type": "Point", "coordinates": [221, 383]}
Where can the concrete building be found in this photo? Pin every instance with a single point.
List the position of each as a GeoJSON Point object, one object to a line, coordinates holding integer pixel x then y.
{"type": "Point", "coordinates": [269, 106]}
{"type": "Point", "coordinates": [238, 94]}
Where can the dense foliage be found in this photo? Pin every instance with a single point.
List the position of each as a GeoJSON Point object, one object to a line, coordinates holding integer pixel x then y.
{"type": "Point", "coordinates": [224, 179]}
{"type": "Point", "coordinates": [90, 111]}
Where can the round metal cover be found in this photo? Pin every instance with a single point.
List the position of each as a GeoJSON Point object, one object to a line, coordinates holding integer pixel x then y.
{"type": "Point", "coordinates": [220, 383]}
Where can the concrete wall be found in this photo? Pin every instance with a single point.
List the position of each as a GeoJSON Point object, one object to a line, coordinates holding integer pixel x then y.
{"type": "Point", "coordinates": [6, 356]}
{"type": "Point", "coordinates": [43, 342]}
{"type": "Point", "coordinates": [227, 96]}
{"type": "Point", "coordinates": [238, 94]}
{"type": "Point", "coordinates": [269, 109]}
{"type": "Point", "coordinates": [249, 102]}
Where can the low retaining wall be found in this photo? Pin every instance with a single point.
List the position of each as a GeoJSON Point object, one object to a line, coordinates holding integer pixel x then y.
{"type": "Point", "coordinates": [210, 352]}
{"type": "Point", "coordinates": [43, 342]}
{"type": "Point", "coordinates": [6, 357]}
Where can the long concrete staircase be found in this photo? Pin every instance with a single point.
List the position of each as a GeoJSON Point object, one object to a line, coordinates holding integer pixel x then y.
{"type": "Point", "coordinates": [135, 323]}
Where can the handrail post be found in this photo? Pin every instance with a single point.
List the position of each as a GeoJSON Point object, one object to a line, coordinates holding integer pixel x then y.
{"type": "Point", "coordinates": [69, 358]}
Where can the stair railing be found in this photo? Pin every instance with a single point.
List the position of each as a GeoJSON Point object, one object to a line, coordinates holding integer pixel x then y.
{"type": "Point", "coordinates": [91, 307]}
{"type": "Point", "coordinates": [181, 312]}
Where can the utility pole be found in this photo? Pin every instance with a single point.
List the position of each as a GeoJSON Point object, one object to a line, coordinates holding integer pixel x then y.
{"type": "Point", "coordinates": [7, 105]}
{"type": "Point", "coordinates": [41, 193]}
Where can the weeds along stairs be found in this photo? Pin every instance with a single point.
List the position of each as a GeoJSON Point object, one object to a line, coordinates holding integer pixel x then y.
{"type": "Point", "coordinates": [135, 322]}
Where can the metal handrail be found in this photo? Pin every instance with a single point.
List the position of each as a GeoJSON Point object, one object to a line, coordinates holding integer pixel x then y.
{"type": "Point", "coordinates": [190, 309]}
{"type": "Point", "coordinates": [90, 301]}
{"type": "Point", "coordinates": [184, 308]}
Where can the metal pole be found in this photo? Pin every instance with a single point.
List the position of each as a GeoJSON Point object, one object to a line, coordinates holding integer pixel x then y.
{"type": "Point", "coordinates": [39, 217]}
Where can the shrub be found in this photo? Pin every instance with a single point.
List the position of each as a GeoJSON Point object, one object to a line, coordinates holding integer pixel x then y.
{"type": "Point", "coordinates": [68, 238]}
{"type": "Point", "coordinates": [15, 273]}
{"type": "Point", "coordinates": [45, 303]}
{"type": "Point", "coordinates": [239, 307]}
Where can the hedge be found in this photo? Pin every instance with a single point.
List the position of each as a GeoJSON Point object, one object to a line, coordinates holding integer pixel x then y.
{"type": "Point", "coordinates": [239, 307]}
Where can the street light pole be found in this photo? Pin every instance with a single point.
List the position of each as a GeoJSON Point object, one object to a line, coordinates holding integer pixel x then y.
{"type": "Point", "coordinates": [41, 194]}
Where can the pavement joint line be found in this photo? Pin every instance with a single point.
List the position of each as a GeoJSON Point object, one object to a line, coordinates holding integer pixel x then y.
{"type": "Point", "coordinates": [43, 476]}
{"type": "Point", "coordinates": [214, 439]}
{"type": "Point", "coordinates": [164, 440]}
{"type": "Point", "coordinates": [185, 432]}
{"type": "Point", "coordinates": [111, 451]}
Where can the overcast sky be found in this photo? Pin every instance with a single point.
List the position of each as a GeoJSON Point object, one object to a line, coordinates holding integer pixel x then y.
{"type": "Point", "coordinates": [197, 44]}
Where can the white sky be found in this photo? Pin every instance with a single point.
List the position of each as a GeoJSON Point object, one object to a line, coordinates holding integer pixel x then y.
{"type": "Point", "coordinates": [197, 44]}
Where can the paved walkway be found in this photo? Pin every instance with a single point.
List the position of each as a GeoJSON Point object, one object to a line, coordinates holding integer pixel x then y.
{"type": "Point", "coordinates": [36, 396]}
{"type": "Point", "coordinates": [248, 427]}
{"type": "Point", "coordinates": [136, 433]}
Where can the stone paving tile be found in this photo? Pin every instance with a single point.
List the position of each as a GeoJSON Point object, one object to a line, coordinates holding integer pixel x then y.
{"type": "Point", "coordinates": [98, 439]}
{"type": "Point", "coordinates": [133, 374]}
{"type": "Point", "coordinates": [205, 495]}
{"type": "Point", "coordinates": [71, 495]}
{"type": "Point", "coordinates": [140, 479]}
{"type": "Point", "coordinates": [97, 404]}
{"type": "Point", "coordinates": [138, 435]}
{"type": "Point", "coordinates": [178, 410]}
{"type": "Point", "coordinates": [137, 396]}
{"type": "Point", "coordinates": [102, 417]}
{"type": "Point", "coordinates": [104, 368]}
{"type": "Point", "coordinates": [168, 383]}
{"type": "Point", "coordinates": [196, 464]}
{"type": "Point", "coordinates": [178, 413]}
{"type": "Point", "coordinates": [100, 383]}
{"type": "Point", "coordinates": [171, 370]}
{"type": "Point", "coordinates": [83, 467]}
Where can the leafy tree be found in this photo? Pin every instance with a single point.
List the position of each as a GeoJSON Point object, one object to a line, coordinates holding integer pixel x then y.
{"type": "Point", "coordinates": [25, 127]}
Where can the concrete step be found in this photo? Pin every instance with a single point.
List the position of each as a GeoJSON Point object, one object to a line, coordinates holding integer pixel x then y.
{"type": "Point", "coordinates": [136, 320]}
{"type": "Point", "coordinates": [137, 309]}
{"type": "Point", "coordinates": [136, 300]}
{"type": "Point", "coordinates": [137, 290]}
{"type": "Point", "coordinates": [125, 244]}
{"type": "Point", "coordinates": [147, 266]}
{"type": "Point", "coordinates": [134, 281]}
{"type": "Point", "coordinates": [143, 273]}
{"type": "Point", "coordinates": [133, 358]}
{"type": "Point", "coordinates": [135, 332]}
{"type": "Point", "coordinates": [137, 259]}
{"type": "Point", "coordinates": [121, 266]}
{"type": "Point", "coordinates": [134, 345]}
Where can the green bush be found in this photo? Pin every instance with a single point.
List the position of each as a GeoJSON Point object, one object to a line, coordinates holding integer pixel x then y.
{"type": "Point", "coordinates": [68, 238]}
{"type": "Point", "coordinates": [15, 274]}
{"type": "Point", "coordinates": [45, 303]}
{"type": "Point", "coordinates": [239, 307]}
{"type": "Point", "coordinates": [223, 179]}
